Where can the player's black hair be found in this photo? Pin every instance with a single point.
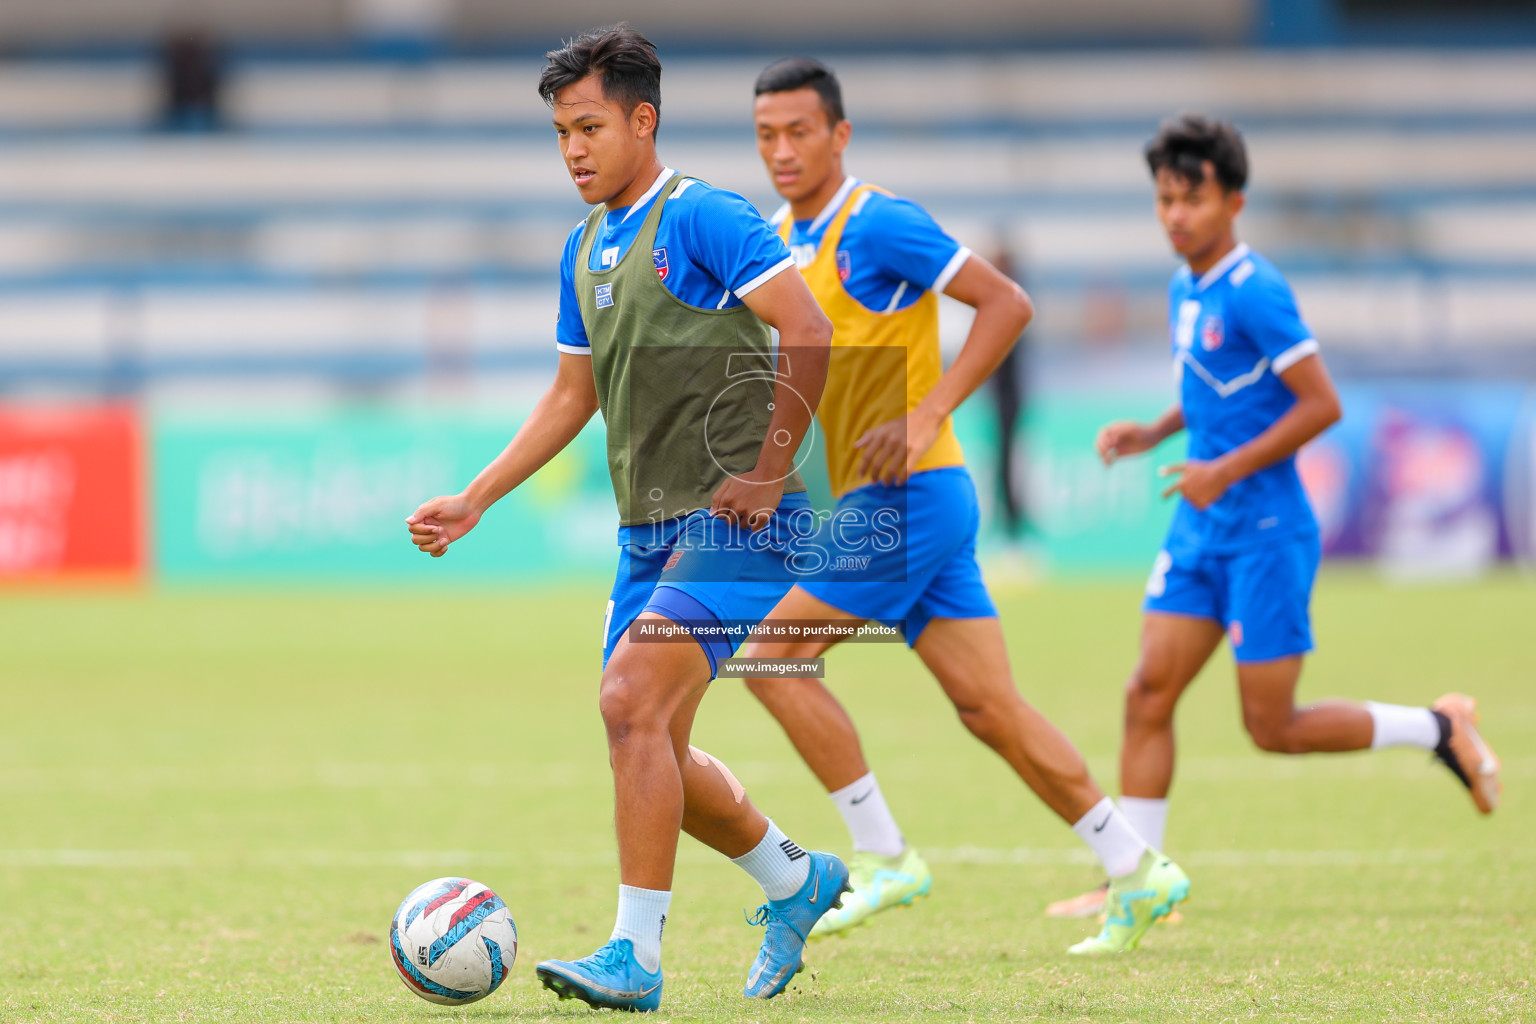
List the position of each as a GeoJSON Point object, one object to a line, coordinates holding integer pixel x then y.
{"type": "Point", "coordinates": [793, 73]}
{"type": "Point", "coordinates": [625, 61]}
{"type": "Point", "coordinates": [1183, 144]}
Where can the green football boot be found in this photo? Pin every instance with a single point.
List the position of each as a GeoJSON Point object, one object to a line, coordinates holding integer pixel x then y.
{"type": "Point", "coordinates": [1135, 902]}
{"type": "Point", "coordinates": [879, 883]}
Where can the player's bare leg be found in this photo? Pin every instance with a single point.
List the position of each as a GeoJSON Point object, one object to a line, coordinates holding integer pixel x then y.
{"type": "Point", "coordinates": [970, 660]}
{"type": "Point", "coordinates": [649, 696]}
{"type": "Point", "coordinates": [716, 809]}
{"type": "Point", "coordinates": [1174, 648]}
{"type": "Point", "coordinates": [886, 871]}
{"type": "Point", "coordinates": [1276, 724]}
{"type": "Point", "coordinates": [801, 887]}
{"type": "Point", "coordinates": [1449, 728]}
{"type": "Point", "coordinates": [813, 719]}
{"type": "Point", "coordinates": [643, 688]}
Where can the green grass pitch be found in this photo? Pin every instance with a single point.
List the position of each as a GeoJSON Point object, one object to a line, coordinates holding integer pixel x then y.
{"type": "Point", "coordinates": [211, 803]}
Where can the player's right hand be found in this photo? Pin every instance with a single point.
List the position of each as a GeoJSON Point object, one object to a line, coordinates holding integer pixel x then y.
{"type": "Point", "coordinates": [1121, 438]}
{"type": "Point", "coordinates": [440, 522]}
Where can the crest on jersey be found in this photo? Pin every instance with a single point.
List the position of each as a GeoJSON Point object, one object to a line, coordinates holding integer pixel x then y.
{"type": "Point", "coordinates": [603, 293]}
{"type": "Point", "coordinates": [844, 264]}
{"type": "Point", "coordinates": [1211, 334]}
{"type": "Point", "coordinates": [659, 257]}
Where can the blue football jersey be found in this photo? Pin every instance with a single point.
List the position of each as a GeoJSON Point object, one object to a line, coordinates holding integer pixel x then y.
{"type": "Point", "coordinates": [1234, 331]}
{"type": "Point", "coordinates": [891, 252]}
{"type": "Point", "coordinates": [712, 247]}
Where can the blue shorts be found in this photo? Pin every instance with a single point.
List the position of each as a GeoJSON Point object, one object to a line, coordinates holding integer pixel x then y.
{"type": "Point", "coordinates": [1259, 596]}
{"type": "Point", "coordinates": [714, 579]}
{"type": "Point", "coordinates": [904, 555]}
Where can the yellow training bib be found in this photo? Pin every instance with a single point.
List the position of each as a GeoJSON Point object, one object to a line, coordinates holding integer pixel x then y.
{"type": "Point", "coordinates": [882, 364]}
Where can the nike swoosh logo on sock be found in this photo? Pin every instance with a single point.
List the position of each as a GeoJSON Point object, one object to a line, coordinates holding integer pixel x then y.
{"type": "Point", "coordinates": [861, 799]}
{"type": "Point", "coordinates": [1100, 826]}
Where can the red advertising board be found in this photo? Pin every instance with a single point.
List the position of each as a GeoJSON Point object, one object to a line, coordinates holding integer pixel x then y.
{"type": "Point", "coordinates": [71, 492]}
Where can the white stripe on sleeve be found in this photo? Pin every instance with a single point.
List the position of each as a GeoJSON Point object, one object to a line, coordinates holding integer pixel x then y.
{"type": "Point", "coordinates": [574, 350]}
{"type": "Point", "coordinates": [951, 269]}
{"type": "Point", "coordinates": [1293, 355]}
{"type": "Point", "coordinates": [787, 263]}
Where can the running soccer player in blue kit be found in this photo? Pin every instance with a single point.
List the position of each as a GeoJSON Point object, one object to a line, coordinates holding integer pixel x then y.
{"type": "Point", "coordinates": [1243, 550]}
{"type": "Point", "coordinates": [667, 290]}
{"type": "Point", "coordinates": [900, 549]}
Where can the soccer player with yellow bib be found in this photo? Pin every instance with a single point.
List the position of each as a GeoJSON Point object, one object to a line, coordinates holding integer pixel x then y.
{"type": "Point", "coordinates": [900, 549]}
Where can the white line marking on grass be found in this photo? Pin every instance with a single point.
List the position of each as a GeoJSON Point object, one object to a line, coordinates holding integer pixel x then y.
{"type": "Point", "coordinates": [1224, 858]}
{"type": "Point", "coordinates": [453, 859]}
{"type": "Point", "coordinates": [431, 859]}
{"type": "Point", "coordinates": [97, 859]}
{"type": "Point", "coordinates": [266, 777]}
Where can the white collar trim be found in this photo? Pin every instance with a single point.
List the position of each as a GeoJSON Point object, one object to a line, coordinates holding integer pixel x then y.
{"type": "Point", "coordinates": [848, 185]}
{"type": "Point", "coordinates": [1239, 253]}
{"type": "Point", "coordinates": [662, 179]}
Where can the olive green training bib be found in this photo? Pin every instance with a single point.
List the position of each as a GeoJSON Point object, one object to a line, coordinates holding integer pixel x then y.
{"type": "Point", "coordinates": [686, 393]}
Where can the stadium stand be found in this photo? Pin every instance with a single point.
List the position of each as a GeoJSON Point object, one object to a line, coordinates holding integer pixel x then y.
{"type": "Point", "coordinates": [364, 221]}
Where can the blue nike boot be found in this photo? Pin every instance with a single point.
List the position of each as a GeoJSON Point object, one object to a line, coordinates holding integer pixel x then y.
{"type": "Point", "coordinates": [789, 921]}
{"type": "Point", "coordinates": [610, 978]}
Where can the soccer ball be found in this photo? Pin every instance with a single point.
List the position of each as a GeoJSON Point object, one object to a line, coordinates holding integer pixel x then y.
{"type": "Point", "coordinates": [453, 941]}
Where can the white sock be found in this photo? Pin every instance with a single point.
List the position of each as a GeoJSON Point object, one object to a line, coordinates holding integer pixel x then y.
{"type": "Point", "coordinates": [869, 820]}
{"type": "Point", "coordinates": [1148, 816]}
{"type": "Point", "coordinates": [1112, 838]}
{"type": "Point", "coordinates": [1398, 726]}
{"type": "Point", "coordinates": [642, 916]}
{"type": "Point", "coordinates": [777, 864]}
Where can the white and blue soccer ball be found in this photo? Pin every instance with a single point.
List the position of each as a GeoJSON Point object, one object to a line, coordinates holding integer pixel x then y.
{"type": "Point", "coordinates": [453, 941]}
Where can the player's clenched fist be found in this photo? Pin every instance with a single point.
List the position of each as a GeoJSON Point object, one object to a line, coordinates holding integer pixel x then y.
{"type": "Point", "coordinates": [440, 522]}
{"type": "Point", "coordinates": [747, 502]}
